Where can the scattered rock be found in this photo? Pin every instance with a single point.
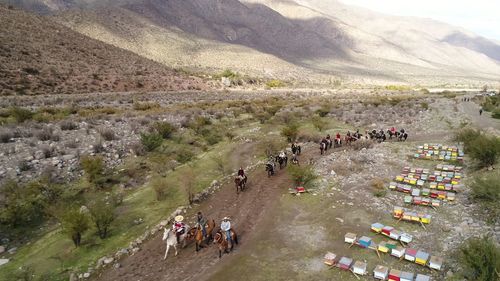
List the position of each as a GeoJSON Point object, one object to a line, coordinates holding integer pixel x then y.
{"type": "Point", "coordinates": [86, 275]}
{"type": "Point", "coordinates": [108, 260]}
{"type": "Point", "coordinates": [12, 250]}
{"type": "Point", "coordinates": [3, 261]}
{"type": "Point", "coordinates": [340, 220]}
{"type": "Point", "coordinates": [117, 265]}
{"type": "Point", "coordinates": [2, 249]}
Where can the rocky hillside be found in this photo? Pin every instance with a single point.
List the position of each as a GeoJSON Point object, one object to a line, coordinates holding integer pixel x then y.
{"type": "Point", "coordinates": [40, 56]}
{"type": "Point", "coordinates": [312, 40]}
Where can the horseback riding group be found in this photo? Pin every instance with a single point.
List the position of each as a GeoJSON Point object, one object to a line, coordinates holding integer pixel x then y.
{"type": "Point", "coordinates": [201, 233]}
{"type": "Point", "coordinates": [281, 159]}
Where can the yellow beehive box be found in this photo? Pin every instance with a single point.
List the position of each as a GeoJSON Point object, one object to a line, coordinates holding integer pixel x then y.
{"type": "Point", "coordinates": [426, 219]}
{"type": "Point", "coordinates": [399, 178]}
{"type": "Point", "coordinates": [382, 248]}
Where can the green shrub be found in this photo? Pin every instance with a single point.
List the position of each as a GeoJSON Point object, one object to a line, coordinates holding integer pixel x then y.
{"type": "Point", "coordinates": [323, 111]}
{"type": "Point", "coordinates": [143, 106]}
{"type": "Point", "coordinates": [480, 258]}
{"type": "Point", "coordinates": [263, 116]}
{"type": "Point", "coordinates": [164, 129]}
{"type": "Point", "coordinates": [93, 166]}
{"type": "Point", "coordinates": [378, 186]}
{"type": "Point", "coordinates": [160, 187]}
{"type": "Point", "coordinates": [75, 223]}
{"type": "Point", "coordinates": [184, 155]}
{"type": "Point", "coordinates": [302, 175]}
{"type": "Point", "coordinates": [486, 191]}
{"type": "Point", "coordinates": [21, 114]}
{"type": "Point", "coordinates": [229, 74]}
{"type": "Point", "coordinates": [199, 123]}
{"type": "Point", "coordinates": [213, 137]}
{"type": "Point", "coordinates": [496, 114]}
{"type": "Point", "coordinates": [485, 150]}
{"type": "Point", "coordinates": [466, 136]}
{"type": "Point", "coordinates": [424, 105]}
{"type": "Point", "coordinates": [319, 123]}
{"type": "Point", "coordinates": [275, 83]}
{"type": "Point", "coordinates": [22, 204]}
{"type": "Point", "coordinates": [151, 141]}
{"type": "Point", "coordinates": [271, 145]}
{"type": "Point", "coordinates": [290, 132]}
{"type": "Point", "coordinates": [102, 214]}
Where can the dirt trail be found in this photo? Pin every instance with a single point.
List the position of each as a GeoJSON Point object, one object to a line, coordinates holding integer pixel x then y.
{"type": "Point", "coordinates": [483, 121]}
{"type": "Point", "coordinates": [246, 210]}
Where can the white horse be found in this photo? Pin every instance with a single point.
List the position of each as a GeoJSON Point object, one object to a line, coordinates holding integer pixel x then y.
{"type": "Point", "coordinates": [171, 240]}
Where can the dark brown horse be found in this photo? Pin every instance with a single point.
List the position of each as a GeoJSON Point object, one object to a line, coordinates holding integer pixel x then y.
{"type": "Point", "coordinates": [240, 183]}
{"type": "Point", "coordinates": [197, 234]}
{"type": "Point", "coordinates": [222, 242]}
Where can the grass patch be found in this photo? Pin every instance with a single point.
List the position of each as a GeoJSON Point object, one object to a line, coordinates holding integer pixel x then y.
{"type": "Point", "coordinates": [480, 258]}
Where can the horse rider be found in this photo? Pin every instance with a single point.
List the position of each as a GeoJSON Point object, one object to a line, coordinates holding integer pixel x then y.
{"type": "Point", "coordinates": [294, 147]}
{"type": "Point", "coordinates": [179, 227]}
{"type": "Point", "coordinates": [402, 131]}
{"type": "Point", "coordinates": [282, 154]}
{"type": "Point", "coordinates": [200, 219]}
{"type": "Point", "coordinates": [241, 173]}
{"type": "Point", "coordinates": [393, 130]}
{"type": "Point", "coordinates": [480, 111]}
{"type": "Point", "coordinates": [337, 137]}
{"type": "Point", "coordinates": [295, 160]}
{"type": "Point", "coordinates": [225, 226]}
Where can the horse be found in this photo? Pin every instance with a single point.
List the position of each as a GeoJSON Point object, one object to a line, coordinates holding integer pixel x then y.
{"type": "Point", "coordinates": [240, 183]}
{"type": "Point", "coordinates": [296, 149]}
{"type": "Point", "coordinates": [322, 147]}
{"type": "Point", "coordinates": [171, 240]}
{"type": "Point", "coordinates": [282, 160]}
{"type": "Point", "coordinates": [197, 234]}
{"type": "Point", "coordinates": [222, 242]}
{"type": "Point", "coordinates": [338, 142]}
{"type": "Point", "coordinates": [270, 169]}
{"type": "Point", "coordinates": [402, 136]}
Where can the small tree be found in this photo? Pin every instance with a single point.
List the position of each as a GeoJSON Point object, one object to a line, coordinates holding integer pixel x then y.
{"type": "Point", "coordinates": [160, 187]}
{"type": "Point", "coordinates": [220, 164]}
{"type": "Point", "coordinates": [189, 182]}
{"type": "Point", "coordinates": [164, 129]}
{"type": "Point", "coordinates": [103, 214]}
{"type": "Point", "coordinates": [319, 123]}
{"type": "Point", "coordinates": [21, 114]}
{"type": "Point", "coordinates": [75, 223]}
{"type": "Point", "coordinates": [485, 150]}
{"type": "Point", "coordinates": [486, 191]}
{"type": "Point", "coordinates": [302, 175]}
{"type": "Point", "coordinates": [480, 259]}
{"type": "Point", "coordinates": [151, 141]}
{"type": "Point", "coordinates": [94, 168]}
{"type": "Point", "coordinates": [290, 132]}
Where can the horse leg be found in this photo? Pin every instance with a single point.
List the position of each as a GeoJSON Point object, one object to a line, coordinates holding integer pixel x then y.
{"type": "Point", "coordinates": [166, 252]}
{"type": "Point", "coordinates": [220, 253]}
{"type": "Point", "coordinates": [175, 247]}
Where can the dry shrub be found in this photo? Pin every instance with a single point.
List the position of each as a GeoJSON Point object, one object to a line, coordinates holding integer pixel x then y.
{"type": "Point", "coordinates": [308, 137]}
{"type": "Point", "coordinates": [107, 134]}
{"type": "Point", "coordinates": [47, 134]}
{"type": "Point", "coordinates": [360, 144]}
{"type": "Point", "coordinates": [68, 125]}
{"type": "Point", "coordinates": [378, 186]}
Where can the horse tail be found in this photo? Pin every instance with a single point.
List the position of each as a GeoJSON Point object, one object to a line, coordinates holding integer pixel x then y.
{"type": "Point", "coordinates": [235, 238]}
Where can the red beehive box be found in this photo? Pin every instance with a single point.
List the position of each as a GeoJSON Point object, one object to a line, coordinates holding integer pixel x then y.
{"type": "Point", "coordinates": [395, 275]}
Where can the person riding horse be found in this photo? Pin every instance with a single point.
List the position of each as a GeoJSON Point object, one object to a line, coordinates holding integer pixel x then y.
{"type": "Point", "coordinates": [241, 174]}
{"type": "Point", "coordinates": [179, 227]}
{"type": "Point", "coordinates": [225, 226]}
{"type": "Point", "coordinates": [202, 222]}
{"type": "Point", "coordinates": [329, 141]}
{"type": "Point", "coordinates": [295, 148]}
{"type": "Point", "coordinates": [295, 160]}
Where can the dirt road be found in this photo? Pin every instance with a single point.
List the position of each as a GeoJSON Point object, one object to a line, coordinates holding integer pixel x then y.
{"type": "Point", "coordinates": [246, 210]}
{"type": "Point", "coordinates": [483, 121]}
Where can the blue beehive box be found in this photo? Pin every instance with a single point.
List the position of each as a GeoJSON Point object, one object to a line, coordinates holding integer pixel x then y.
{"type": "Point", "coordinates": [365, 241]}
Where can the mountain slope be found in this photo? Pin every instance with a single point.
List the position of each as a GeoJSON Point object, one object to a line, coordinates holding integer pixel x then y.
{"type": "Point", "coordinates": [40, 56]}
{"type": "Point", "coordinates": [312, 40]}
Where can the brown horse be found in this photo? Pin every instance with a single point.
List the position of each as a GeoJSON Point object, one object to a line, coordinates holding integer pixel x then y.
{"type": "Point", "coordinates": [222, 242]}
{"type": "Point", "coordinates": [240, 183]}
{"type": "Point", "coordinates": [197, 234]}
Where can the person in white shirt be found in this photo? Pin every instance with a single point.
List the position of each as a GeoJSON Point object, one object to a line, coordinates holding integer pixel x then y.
{"type": "Point", "coordinates": [226, 227]}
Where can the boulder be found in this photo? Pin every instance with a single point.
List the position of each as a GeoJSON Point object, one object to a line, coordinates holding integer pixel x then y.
{"type": "Point", "coordinates": [108, 260]}
{"type": "Point", "coordinates": [2, 249]}
{"type": "Point", "coordinates": [3, 261]}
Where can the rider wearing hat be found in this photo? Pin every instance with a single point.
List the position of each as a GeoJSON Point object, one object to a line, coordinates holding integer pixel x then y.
{"type": "Point", "coordinates": [179, 227]}
{"type": "Point", "coordinates": [202, 222]}
{"type": "Point", "coordinates": [241, 172]}
{"type": "Point", "coordinates": [226, 227]}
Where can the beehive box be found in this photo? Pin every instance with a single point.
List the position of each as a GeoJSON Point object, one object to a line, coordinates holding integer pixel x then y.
{"type": "Point", "coordinates": [425, 192]}
{"type": "Point", "coordinates": [395, 234]}
{"type": "Point", "coordinates": [436, 263]}
{"type": "Point", "coordinates": [365, 241]}
{"type": "Point", "coordinates": [391, 244]}
{"type": "Point", "coordinates": [407, 276]}
{"type": "Point", "coordinates": [350, 237]}
{"type": "Point", "coordinates": [394, 275]}
{"type": "Point", "coordinates": [345, 263]}
{"type": "Point", "coordinates": [393, 185]}
{"type": "Point", "coordinates": [381, 272]}
{"type": "Point", "coordinates": [406, 237]}
{"type": "Point", "coordinates": [415, 192]}
{"type": "Point", "coordinates": [387, 230]}
{"type": "Point", "coordinates": [398, 252]}
{"type": "Point", "coordinates": [426, 219]}
{"type": "Point", "coordinates": [382, 247]}
{"type": "Point", "coordinates": [329, 258]}
{"type": "Point", "coordinates": [408, 199]}
{"type": "Point", "coordinates": [422, 277]}
{"type": "Point", "coordinates": [377, 227]}
{"type": "Point", "coordinates": [410, 254]}
{"type": "Point", "coordinates": [359, 267]}
{"type": "Point", "coordinates": [421, 258]}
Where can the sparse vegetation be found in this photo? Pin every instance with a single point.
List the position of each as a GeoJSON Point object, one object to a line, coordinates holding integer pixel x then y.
{"type": "Point", "coordinates": [75, 223]}
{"type": "Point", "coordinates": [151, 141]}
{"type": "Point", "coordinates": [275, 83]}
{"type": "Point", "coordinates": [94, 169]}
{"type": "Point", "coordinates": [290, 131]}
{"type": "Point", "coordinates": [302, 175]}
{"type": "Point", "coordinates": [160, 187]}
{"type": "Point", "coordinates": [319, 123]}
{"type": "Point", "coordinates": [486, 191]}
{"type": "Point", "coordinates": [480, 258]}
{"type": "Point", "coordinates": [484, 149]}
{"type": "Point", "coordinates": [164, 129]}
{"type": "Point", "coordinates": [378, 186]}
{"type": "Point", "coordinates": [107, 134]}
{"type": "Point", "coordinates": [21, 114]}
{"type": "Point", "coordinates": [68, 125]}
{"type": "Point", "coordinates": [102, 214]}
